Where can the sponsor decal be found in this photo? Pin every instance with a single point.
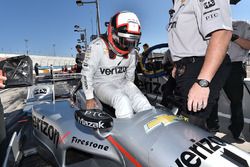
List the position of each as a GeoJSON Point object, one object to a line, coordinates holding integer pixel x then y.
{"type": "Point", "coordinates": [85, 82]}
{"type": "Point", "coordinates": [211, 16]}
{"type": "Point", "coordinates": [40, 91]}
{"type": "Point", "coordinates": [209, 4]}
{"type": "Point", "coordinates": [85, 64]}
{"type": "Point", "coordinates": [94, 113]}
{"type": "Point", "coordinates": [89, 144]}
{"type": "Point", "coordinates": [160, 120]}
{"type": "Point", "coordinates": [49, 130]}
{"type": "Point", "coordinates": [204, 148]}
{"type": "Point", "coordinates": [172, 25]}
{"type": "Point", "coordinates": [94, 118]}
{"type": "Point", "coordinates": [115, 70]}
{"type": "Point", "coordinates": [98, 125]}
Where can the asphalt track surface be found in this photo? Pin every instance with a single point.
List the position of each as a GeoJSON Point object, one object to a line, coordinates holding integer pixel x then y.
{"type": "Point", "coordinates": [13, 100]}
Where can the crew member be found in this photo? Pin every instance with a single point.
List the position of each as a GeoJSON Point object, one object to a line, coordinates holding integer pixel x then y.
{"type": "Point", "coordinates": [109, 67]}
{"type": "Point", "coordinates": [36, 68]}
{"type": "Point", "coordinates": [238, 51]}
{"type": "Point", "coordinates": [199, 34]}
{"type": "Point", "coordinates": [79, 58]}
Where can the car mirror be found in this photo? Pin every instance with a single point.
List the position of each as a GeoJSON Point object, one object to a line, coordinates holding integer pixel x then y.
{"type": "Point", "coordinates": [18, 70]}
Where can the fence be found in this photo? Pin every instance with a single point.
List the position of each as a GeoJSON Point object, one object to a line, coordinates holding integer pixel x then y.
{"type": "Point", "coordinates": [47, 60]}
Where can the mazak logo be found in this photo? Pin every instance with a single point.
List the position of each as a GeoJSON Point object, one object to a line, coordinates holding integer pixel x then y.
{"type": "Point", "coordinates": [49, 130]}
{"type": "Point", "coordinates": [98, 125]}
{"type": "Point", "coordinates": [115, 70]}
{"type": "Point", "coordinates": [160, 120]}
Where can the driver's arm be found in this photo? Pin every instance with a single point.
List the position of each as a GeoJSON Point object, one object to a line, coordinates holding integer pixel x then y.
{"type": "Point", "coordinates": [130, 74]}
{"type": "Point", "coordinates": [90, 65]}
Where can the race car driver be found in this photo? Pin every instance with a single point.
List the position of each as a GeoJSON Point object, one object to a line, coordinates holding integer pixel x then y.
{"type": "Point", "coordinates": [109, 67]}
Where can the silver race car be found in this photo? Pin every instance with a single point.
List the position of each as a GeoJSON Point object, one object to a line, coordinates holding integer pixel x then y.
{"type": "Point", "coordinates": [54, 129]}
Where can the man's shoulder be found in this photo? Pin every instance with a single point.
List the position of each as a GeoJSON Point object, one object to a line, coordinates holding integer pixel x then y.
{"type": "Point", "coordinates": [97, 42]}
{"type": "Point", "coordinates": [96, 46]}
{"type": "Point", "coordinates": [241, 23]}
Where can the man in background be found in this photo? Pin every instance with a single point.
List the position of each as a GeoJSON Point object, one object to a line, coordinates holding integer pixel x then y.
{"type": "Point", "coordinates": [36, 69]}
{"type": "Point", "coordinates": [79, 58]}
{"type": "Point", "coordinates": [2, 122]}
{"type": "Point", "coordinates": [238, 51]}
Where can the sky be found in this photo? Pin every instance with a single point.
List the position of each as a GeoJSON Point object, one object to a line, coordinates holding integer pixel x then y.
{"type": "Point", "coordinates": [46, 27]}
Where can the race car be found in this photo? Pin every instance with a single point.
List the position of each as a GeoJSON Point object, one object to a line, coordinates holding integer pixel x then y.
{"type": "Point", "coordinates": [55, 129]}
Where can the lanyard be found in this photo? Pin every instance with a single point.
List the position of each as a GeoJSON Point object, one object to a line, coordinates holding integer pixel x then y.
{"type": "Point", "coordinates": [174, 15]}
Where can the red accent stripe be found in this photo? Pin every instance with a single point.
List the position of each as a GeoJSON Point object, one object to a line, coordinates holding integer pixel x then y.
{"type": "Point", "coordinates": [123, 151]}
{"type": "Point", "coordinates": [61, 139]}
{"type": "Point", "coordinates": [23, 120]}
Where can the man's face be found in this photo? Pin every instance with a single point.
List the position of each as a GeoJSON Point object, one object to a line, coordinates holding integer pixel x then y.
{"type": "Point", "coordinates": [145, 48]}
{"type": "Point", "coordinates": [79, 50]}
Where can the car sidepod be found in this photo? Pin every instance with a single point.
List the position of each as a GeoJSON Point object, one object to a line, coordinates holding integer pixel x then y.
{"type": "Point", "coordinates": [158, 138]}
{"type": "Point", "coordinates": [55, 126]}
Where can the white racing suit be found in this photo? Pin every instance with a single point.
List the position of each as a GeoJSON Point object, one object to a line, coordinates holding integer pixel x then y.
{"type": "Point", "coordinates": [111, 80]}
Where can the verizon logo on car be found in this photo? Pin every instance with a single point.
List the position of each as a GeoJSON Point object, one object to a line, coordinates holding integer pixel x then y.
{"type": "Point", "coordinates": [47, 129]}
{"type": "Point", "coordinates": [204, 149]}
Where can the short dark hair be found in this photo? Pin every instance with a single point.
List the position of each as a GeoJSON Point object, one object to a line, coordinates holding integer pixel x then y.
{"type": "Point", "coordinates": [78, 46]}
{"type": "Point", "coordinates": [145, 45]}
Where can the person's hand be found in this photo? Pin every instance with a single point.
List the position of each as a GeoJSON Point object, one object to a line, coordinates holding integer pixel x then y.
{"type": "Point", "coordinates": [173, 73]}
{"type": "Point", "coordinates": [2, 78]}
{"type": "Point", "coordinates": [2, 58]}
{"type": "Point", "coordinates": [91, 104]}
{"type": "Point", "coordinates": [197, 98]}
